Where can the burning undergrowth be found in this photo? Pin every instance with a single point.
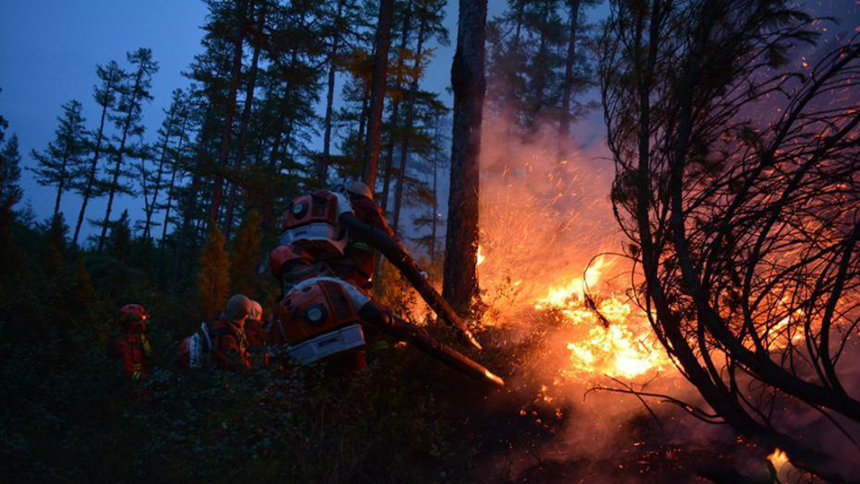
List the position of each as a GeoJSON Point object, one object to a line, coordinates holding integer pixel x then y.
{"type": "Point", "coordinates": [556, 285]}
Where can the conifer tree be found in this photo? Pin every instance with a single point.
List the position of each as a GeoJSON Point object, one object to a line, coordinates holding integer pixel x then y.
{"type": "Point", "coordinates": [60, 164]}
{"type": "Point", "coordinates": [337, 29]}
{"type": "Point", "coordinates": [467, 78]}
{"type": "Point", "coordinates": [85, 294]}
{"type": "Point", "coordinates": [377, 93]}
{"type": "Point", "coordinates": [118, 244]}
{"type": "Point", "coordinates": [170, 128]}
{"type": "Point", "coordinates": [231, 24]}
{"type": "Point", "coordinates": [430, 16]}
{"type": "Point", "coordinates": [134, 91]}
{"type": "Point", "coordinates": [176, 156]}
{"type": "Point", "coordinates": [213, 276]}
{"type": "Point", "coordinates": [246, 255]}
{"type": "Point", "coordinates": [10, 193]}
{"type": "Point", "coordinates": [105, 96]}
{"type": "Point", "coordinates": [395, 95]}
{"type": "Point", "coordinates": [10, 170]}
{"type": "Point", "coordinates": [257, 39]}
{"type": "Point", "coordinates": [56, 244]}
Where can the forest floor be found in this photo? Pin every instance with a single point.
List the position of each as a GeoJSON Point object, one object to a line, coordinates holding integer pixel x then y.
{"type": "Point", "coordinates": [527, 433]}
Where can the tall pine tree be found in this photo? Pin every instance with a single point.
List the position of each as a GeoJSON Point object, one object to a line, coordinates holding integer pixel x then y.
{"type": "Point", "coordinates": [134, 92]}
{"type": "Point", "coordinates": [60, 165]}
{"type": "Point", "coordinates": [105, 96]}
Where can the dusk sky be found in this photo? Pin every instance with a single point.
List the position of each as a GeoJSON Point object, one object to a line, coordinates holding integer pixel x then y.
{"type": "Point", "coordinates": [49, 50]}
{"type": "Point", "coordinates": [48, 54]}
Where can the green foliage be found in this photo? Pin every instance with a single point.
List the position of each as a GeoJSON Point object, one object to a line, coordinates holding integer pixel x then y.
{"type": "Point", "coordinates": [213, 276]}
{"type": "Point", "coordinates": [245, 255]}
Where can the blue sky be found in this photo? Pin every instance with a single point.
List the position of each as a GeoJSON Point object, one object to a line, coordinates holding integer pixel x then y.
{"type": "Point", "coordinates": [48, 53]}
{"type": "Point", "coordinates": [49, 50]}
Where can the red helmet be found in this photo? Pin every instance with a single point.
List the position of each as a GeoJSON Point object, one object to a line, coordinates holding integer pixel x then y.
{"type": "Point", "coordinates": [283, 255]}
{"type": "Point", "coordinates": [133, 316]}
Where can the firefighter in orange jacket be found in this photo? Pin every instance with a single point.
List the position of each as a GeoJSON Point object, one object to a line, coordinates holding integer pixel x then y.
{"type": "Point", "coordinates": [325, 266]}
{"type": "Point", "coordinates": [131, 347]}
{"type": "Point", "coordinates": [229, 342]}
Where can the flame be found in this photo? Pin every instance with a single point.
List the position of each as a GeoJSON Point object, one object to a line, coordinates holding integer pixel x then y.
{"type": "Point", "coordinates": [623, 348]}
{"type": "Point", "coordinates": [540, 222]}
{"type": "Point", "coordinates": [778, 458]}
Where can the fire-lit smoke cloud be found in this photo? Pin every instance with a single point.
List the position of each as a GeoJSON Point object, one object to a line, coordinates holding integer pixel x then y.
{"type": "Point", "coordinates": [544, 221]}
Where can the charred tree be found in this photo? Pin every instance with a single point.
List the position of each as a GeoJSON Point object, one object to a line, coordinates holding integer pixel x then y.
{"type": "Point", "coordinates": [467, 79]}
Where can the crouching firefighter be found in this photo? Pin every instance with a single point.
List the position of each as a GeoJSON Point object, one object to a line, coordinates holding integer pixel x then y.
{"type": "Point", "coordinates": [325, 265]}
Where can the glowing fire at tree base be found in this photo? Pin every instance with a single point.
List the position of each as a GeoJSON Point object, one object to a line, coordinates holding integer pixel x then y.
{"type": "Point", "coordinates": [618, 342]}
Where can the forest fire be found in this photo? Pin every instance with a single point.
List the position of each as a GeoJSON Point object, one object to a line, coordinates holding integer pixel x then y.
{"type": "Point", "coordinates": [618, 341]}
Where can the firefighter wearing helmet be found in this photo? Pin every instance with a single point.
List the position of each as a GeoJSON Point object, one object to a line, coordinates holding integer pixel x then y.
{"type": "Point", "coordinates": [229, 341]}
{"type": "Point", "coordinates": [325, 266]}
{"type": "Point", "coordinates": [131, 348]}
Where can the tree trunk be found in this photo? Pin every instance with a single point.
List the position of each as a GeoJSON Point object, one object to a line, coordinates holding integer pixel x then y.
{"type": "Point", "coordinates": [395, 113]}
{"type": "Point", "coordinates": [172, 182]}
{"type": "Point", "coordinates": [282, 115]}
{"type": "Point", "coordinates": [467, 79]}
{"type": "Point", "coordinates": [151, 210]}
{"type": "Point", "coordinates": [246, 121]}
{"type": "Point", "coordinates": [118, 167]}
{"type": "Point", "coordinates": [322, 172]}
{"type": "Point", "coordinates": [183, 235]}
{"type": "Point", "coordinates": [377, 93]}
{"type": "Point", "coordinates": [540, 87]}
{"type": "Point", "coordinates": [62, 183]}
{"type": "Point", "coordinates": [91, 176]}
{"type": "Point", "coordinates": [227, 133]}
{"type": "Point", "coordinates": [564, 121]}
{"type": "Point", "coordinates": [410, 116]}
{"type": "Point", "coordinates": [434, 222]}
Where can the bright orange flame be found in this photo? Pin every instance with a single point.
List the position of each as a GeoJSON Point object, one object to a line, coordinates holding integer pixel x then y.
{"type": "Point", "coordinates": [480, 256]}
{"type": "Point", "coordinates": [622, 349]}
{"type": "Point", "coordinates": [778, 458]}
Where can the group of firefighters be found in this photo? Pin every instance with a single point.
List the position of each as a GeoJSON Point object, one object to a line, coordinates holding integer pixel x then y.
{"type": "Point", "coordinates": [324, 265]}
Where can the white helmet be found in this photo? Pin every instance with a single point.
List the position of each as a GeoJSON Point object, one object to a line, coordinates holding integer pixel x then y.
{"type": "Point", "coordinates": [256, 311]}
{"type": "Point", "coordinates": [360, 189]}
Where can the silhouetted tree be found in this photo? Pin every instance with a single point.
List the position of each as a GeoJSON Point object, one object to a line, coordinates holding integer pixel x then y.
{"type": "Point", "coordinates": [105, 96]}
{"type": "Point", "coordinates": [377, 93]}
{"type": "Point", "coordinates": [134, 91]}
{"type": "Point", "coordinates": [467, 79]}
{"type": "Point", "coordinates": [60, 164]}
{"type": "Point", "coordinates": [732, 171]}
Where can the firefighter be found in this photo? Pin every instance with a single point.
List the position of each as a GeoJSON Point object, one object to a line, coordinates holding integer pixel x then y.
{"type": "Point", "coordinates": [131, 347]}
{"type": "Point", "coordinates": [255, 332]}
{"type": "Point", "coordinates": [229, 342]}
{"type": "Point", "coordinates": [325, 268]}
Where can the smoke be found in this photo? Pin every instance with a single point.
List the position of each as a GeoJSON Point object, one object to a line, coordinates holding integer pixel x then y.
{"type": "Point", "coordinates": [543, 219]}
{"type": "Point", "coordinates": [542, 216]}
